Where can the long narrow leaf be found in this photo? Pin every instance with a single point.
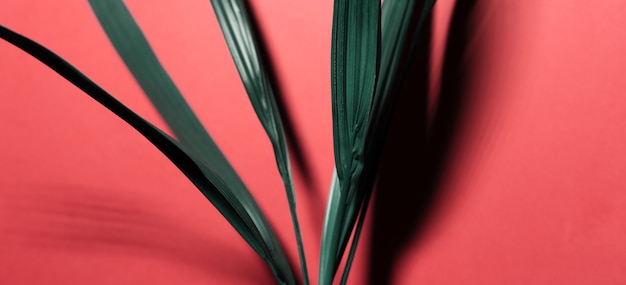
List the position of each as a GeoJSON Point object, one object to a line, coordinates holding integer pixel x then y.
{"type": "Point", "coordinates": [357, 235]}
{"type": "Point", "coordinates": [397, 15]}
{"type": "Point", "coordinates": [237, 27]}
{"type": "Point", "coordinates": [396, 19]}
{"type": "Point", "coordinates": [392, 79]}
{"type": "Point", "coordinates": [354, 67]}
{"type": "Point", "coordinates": [248, 222]}
{"type": "Point", "coordinates": [139, 58]}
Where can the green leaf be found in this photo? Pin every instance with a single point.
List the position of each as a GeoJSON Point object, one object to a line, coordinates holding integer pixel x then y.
{"type": "Point", "coordinates": [396, 19]}
{"type": "Point", "coordinates": [357, 235]}
{"type": "Point", "coordinates": [354, 67]}
{"type": "Point", "coordinates": [238, 31]}
{"type": "Point", "coordinates": [396, 24]}
{"type": "Point", "coordinates": [247, 220]}
{"type": "Point", "coordinates": [399, 51]}
{"type": "Point", "coordinates": [139, 58]}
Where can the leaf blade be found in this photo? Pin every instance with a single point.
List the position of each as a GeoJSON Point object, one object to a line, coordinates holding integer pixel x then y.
{"type": "Point", "coordinates": [202, 176]}
{"type": "Point", "coordinates": [237, 27]}
{"type": "Point", "coordinates": [354, 68]}
{"type": "Point", "coordinates": [396, 19]}
{"type": "Point", "coordinates": [136, 53]}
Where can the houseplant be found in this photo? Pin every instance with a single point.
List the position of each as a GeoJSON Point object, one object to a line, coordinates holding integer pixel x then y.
{"type": "Point", "coordinates": [366, 68]}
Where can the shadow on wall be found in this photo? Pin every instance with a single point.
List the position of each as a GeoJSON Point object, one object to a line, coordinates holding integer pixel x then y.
{"type": "Point", "coordinates": [302, 163]}
{"type": "Point", "coordinates": [294, 141]}
{"type": "Point", "coordinates": [90, 220]}
{"type": "Point", "coordinates": [417, 152]}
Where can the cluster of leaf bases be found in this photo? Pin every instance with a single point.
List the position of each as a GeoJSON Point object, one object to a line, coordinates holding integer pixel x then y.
{"type": "Point", "coordinates": [367, 44]}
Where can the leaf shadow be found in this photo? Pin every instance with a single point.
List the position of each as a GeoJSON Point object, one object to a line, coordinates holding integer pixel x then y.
{"type": "Point", "coordinates": [294, 140]}
{"type": "Point", "coordinates": [88, 220]}
{"type": "Point", "coordinates": [418, 149]}
{"type": "Point", "coordinates": [298, 155]}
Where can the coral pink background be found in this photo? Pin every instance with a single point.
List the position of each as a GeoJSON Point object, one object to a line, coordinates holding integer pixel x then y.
{"type": "Point", "coordinates": [533, 193]}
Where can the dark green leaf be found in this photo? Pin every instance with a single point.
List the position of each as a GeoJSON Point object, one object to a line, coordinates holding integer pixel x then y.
{"type": "Point", "coordinates": [354, 66]}
{"type": "Point", "coordinates": [237, 27]}
{"type": "Point", "coordinates": [133, 48]}
{"type": "Point", "coordinates": [397, 15]}
{"type": "Point", "coordinates": [396, 18]}
{"type": "Point", "coordinates": [357, 235]}
{"type": "Point", "coordinates": [245, 218]}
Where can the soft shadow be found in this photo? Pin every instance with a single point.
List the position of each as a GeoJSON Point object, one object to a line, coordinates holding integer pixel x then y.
{"type": "Point", "coordinates": [88, 220]}
{"type": "Point", "coordinates": [417, 151]}
{"type": "Point", "coordinates": [294, 141]}
{"type": "Point", "coordinates": [297, 154]}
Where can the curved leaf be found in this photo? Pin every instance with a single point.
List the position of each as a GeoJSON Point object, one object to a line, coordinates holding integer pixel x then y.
{"type": "Point", "coordinates": [396, 40]}
{"type": "Point", "coordinates": [244, 217]}
{"type": "Point", "coordinates": [237, 28]}
{"type": "Point", "coordinates": [354, 68]}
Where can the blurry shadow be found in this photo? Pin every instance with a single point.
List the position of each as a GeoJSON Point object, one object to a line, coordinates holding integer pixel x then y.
{"type": "Point", "coordinates": [89, 221]}
{"type": "Point", "coordinates": [293, 139]}
{"type": "Point", "coordinates": [417, 151]}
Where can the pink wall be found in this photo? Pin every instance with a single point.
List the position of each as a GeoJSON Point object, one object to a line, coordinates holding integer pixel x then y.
{"type": "Point", "coordinates": [531, 192]}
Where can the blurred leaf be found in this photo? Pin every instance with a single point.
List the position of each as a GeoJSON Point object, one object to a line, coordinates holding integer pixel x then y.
{"type": "Point", "coordinates": [354, 66]}
{"type": "Point", "coordinates": [245, 218]}
{"type": "Point", "coordinates": [239, 33]}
